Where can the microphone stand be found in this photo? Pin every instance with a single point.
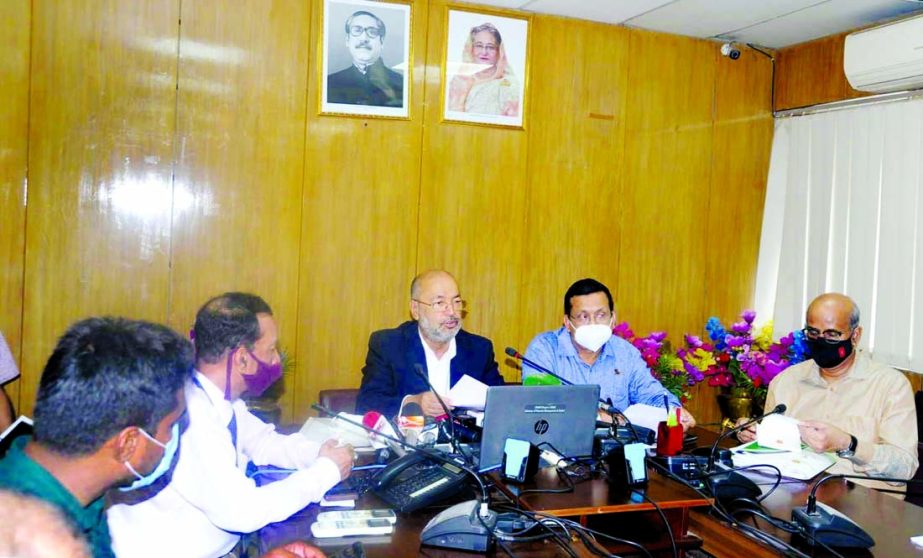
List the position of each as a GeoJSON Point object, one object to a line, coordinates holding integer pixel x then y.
{"type": "Point", "coordinates": [418, 368]}
{"type": "Point", "coordinates": [727, 486]}
{"type": "Point", "coordinates": [839, 530]}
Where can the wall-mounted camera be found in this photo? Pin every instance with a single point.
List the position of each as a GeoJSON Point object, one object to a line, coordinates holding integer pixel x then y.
{"type": "Point", "coordinates": [729, 50]}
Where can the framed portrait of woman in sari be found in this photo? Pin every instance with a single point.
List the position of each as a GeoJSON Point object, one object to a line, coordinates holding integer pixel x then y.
{"type": "Point", "coordinates": [484, 71]}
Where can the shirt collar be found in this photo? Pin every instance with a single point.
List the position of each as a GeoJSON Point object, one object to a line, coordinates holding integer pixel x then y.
{"type": "Point", "coordinates": [861, 370]}
{"type": "Point", "coordinates": [431, 354]}
{"type": "Point", "coordinates": [214, 394]}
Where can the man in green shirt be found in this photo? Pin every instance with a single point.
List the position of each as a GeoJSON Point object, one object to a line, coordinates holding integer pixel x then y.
{"type": "Point", "coordinates": [106, 414]}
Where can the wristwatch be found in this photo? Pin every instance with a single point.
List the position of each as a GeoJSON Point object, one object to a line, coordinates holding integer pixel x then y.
{"type": "Point", "coordinates": [851, 450]}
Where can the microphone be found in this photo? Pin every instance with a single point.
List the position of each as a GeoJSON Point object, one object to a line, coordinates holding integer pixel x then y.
{"type": "Point", "coordinates": [418, 368]}
{"type": "Point", "coordinates": [411, 422]}
{"type": "Point", "coordinates": [510, 351]}
{"type": "Point", "coordinates": [728, 486]}
{"type": "Point", "coordinates": [827, 526]}
{"type": "Point", "coordinates": [376, 423]}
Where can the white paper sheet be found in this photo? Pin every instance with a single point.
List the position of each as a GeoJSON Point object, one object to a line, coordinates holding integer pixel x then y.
{"type": "Point", "coordinates": [322, 429]}
{"type": "Point", "coordinates": [469, 393]}
{"type": "Point", "coordinates": [646, 415]}
{"type": "Point", "coordinates": [779, 432]}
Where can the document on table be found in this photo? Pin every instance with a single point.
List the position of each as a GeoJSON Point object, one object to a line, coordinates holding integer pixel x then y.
{"type": "Point", "coordinates": [802, 465]}
{"type": "Point", "coordinates": [469, 393]}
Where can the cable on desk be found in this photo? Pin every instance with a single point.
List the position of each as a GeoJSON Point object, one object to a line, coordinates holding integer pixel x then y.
{"type": "Point", "coordinates": [666, 524]}
{"type": "Point", "coordinates": [752, 532]}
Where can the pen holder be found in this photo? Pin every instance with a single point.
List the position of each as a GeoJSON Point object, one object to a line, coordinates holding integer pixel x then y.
{"type": "Point", "coordinates": [669, 439]}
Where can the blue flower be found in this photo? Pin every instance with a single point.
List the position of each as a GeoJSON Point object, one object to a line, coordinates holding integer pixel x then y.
{"type": "Point", "coordinates": [716, 332]}
{"type": "Point", "coordinates": [799, 348]}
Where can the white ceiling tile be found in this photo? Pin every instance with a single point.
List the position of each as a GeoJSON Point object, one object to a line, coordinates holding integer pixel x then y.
{"type": "Point", "coordinates": [606, 11]}
{"type": "Point", "coordinates": [829, 18]}
{"type": "Point", "coordinates": [709, 18]}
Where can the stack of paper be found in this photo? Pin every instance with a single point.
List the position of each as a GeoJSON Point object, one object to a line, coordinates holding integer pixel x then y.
{"type": "Point", "coordinates": [322, 429]}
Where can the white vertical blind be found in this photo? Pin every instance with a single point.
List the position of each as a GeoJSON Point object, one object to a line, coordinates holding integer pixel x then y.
{"type": "Point", "coordinates": [843, 213]}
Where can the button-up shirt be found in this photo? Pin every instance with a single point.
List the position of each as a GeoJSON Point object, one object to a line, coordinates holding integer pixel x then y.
{"type": "Point", "coordinates": [210, 500]}
{"type": "Point", "coordinates": [438, 370]}
{"type": "Point", "coordinates": [621, 373]}
{"type": "Point", "coordinates": [20, 473]}
{"type": "Point", "coordinates": [873, 402]}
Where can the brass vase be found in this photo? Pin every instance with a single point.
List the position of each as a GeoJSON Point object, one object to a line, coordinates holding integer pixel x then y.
{"type": "Point", "coordinates": [735, 403]}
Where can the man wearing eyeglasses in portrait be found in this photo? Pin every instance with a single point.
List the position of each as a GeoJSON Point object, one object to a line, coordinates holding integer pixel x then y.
{"type": "Point", "coordinates": [434, 340]}
{"type": "Point", "coordinates": [367, 81]}
{"type": "Point", "coordinates": [846, 403]}
{"type": "Point", "coordinates": [584, 351]}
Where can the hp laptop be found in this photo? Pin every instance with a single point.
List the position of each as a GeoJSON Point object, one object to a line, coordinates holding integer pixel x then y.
{"type": "Point", "coordinates": [563, 416]}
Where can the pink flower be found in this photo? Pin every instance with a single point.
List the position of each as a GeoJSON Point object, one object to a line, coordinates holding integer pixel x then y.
{"type": "Point", "coordinates": [693, 341]}
{"type": "Point", "coordinates": [622, 330]}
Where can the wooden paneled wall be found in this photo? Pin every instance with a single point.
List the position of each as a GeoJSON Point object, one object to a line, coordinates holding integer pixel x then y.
{"type": "Point", "coordinates": [812, 73]}
{"type": "Point", "coordinates": [175, 152]}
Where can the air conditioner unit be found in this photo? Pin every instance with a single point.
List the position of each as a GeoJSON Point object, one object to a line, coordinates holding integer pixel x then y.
{"type": "Point", "coordinates": [886, 58]}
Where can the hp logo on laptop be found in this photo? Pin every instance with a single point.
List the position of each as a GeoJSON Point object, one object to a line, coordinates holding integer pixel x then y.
{"type": "Point", "coordinates": [541, 427]}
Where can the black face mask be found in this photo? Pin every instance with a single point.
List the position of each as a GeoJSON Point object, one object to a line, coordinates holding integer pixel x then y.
{"type": "Point", "coordinates": [829, 355]}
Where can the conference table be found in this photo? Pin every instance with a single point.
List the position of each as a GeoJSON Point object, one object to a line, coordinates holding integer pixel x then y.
{"type": "Point", "coordinates": [597, 504]}
{"type": "Point", "coordinates": [890, 521]}
{"type": "Point", "coordinates": [593, 503]}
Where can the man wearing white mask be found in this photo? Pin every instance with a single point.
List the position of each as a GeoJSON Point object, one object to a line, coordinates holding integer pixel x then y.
{"type": "Point", "coordinates": [584, 351]}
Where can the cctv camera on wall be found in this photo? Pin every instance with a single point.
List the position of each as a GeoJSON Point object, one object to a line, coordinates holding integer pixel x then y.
{"type": "Point", "coordinates": [728, 49]}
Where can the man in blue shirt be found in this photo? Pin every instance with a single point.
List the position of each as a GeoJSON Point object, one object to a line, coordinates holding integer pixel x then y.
{"type": "Point", "coordinates": [584, 351]}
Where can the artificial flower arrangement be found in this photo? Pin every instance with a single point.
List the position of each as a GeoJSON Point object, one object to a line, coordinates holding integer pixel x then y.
{"type": "Point", "coordinates": [744, 356]}
{"type": "Point", "coordinates": [664, 364]}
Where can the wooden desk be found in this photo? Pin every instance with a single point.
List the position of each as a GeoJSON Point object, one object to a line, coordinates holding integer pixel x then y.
{"type": "Point", "coordinates": [890, 521]}
{"type": "Point", "coordinates": [592, 503]}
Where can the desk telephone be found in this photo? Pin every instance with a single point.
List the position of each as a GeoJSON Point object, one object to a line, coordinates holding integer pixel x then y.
{"type": "Point", "coordinates": [415, 481]}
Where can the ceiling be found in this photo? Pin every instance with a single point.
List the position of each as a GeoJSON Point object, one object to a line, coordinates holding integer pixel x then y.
{"type": "Point", "coordinates": [767, 23]}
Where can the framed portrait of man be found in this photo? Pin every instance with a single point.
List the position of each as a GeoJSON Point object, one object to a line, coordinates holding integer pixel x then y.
{"type": "Point", "coordinates": [485, 68]}
{"type": "Point", "coordinates": [365, 58]}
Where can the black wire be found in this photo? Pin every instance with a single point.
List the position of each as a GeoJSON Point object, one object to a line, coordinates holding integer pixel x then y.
{"type": "Point", "coordinates": [561, 475]}
{"type": "Point", "coordinates": [716, 506]}
{"type": "Point", "coordinates": [666, 523]}
{"type": "Point", "coordinates": [772, 85]}
{"type": "Point", "coordinates": [560, 541]}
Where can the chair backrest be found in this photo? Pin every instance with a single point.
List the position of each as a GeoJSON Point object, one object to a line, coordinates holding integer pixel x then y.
{"type": "Point", "coordinates": [339, 400]}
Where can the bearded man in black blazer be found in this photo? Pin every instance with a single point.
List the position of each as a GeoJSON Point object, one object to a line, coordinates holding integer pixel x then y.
{"type": "Point", "coordinates": [434, 339]}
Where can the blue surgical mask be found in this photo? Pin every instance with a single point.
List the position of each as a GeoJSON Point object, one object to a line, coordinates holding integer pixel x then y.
{"type": "Point", "coordinates": [169, 450]}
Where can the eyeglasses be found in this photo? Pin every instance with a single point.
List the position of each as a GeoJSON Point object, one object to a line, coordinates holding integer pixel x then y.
{"type": "Point", "coordinates": [358, 30]}
{"type": "Point", "coordinates": [585, 318]}
{"type": "Point", "coordinates": [485, 46]}
{"type": "Point", "coordinates": [830, 336]}
{"type": "Point", "coordinates": [443, 305]}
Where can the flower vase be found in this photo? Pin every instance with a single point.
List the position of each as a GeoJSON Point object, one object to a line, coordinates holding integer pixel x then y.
{"type": "Point", "coordinates": [735, 403]}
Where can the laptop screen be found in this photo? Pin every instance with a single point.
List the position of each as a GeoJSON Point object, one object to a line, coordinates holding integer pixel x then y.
{"type": "Point", "coordinates": [562, 416]}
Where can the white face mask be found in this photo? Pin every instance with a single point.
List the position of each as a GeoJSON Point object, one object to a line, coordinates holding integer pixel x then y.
{"type": "Point", "coordinates": [592, 336]}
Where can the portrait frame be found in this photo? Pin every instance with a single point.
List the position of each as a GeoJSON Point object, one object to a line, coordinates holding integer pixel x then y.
{"type": "Point", "coordinates": [342, 88]}
{"type": "Point", "coordinates": [479, 87]}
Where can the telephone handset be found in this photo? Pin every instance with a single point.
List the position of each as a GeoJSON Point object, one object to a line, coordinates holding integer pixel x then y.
{"type": "Point", "coordinates": [415, 481]}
